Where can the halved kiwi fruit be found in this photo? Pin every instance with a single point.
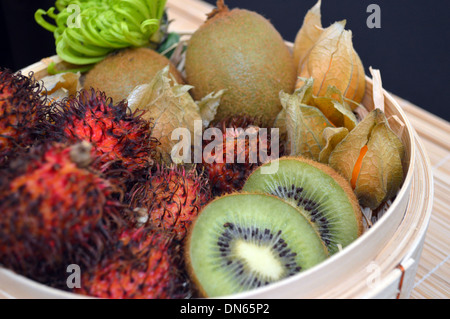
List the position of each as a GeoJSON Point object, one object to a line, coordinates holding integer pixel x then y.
{"type": "Point", "coordinates": [323, 196]}
{"type": "Point", "coordinates": [242, 241]}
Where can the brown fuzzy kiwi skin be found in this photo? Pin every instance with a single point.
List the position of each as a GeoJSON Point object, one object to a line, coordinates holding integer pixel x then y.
{"type": "Point", "coordinates": [242, 52]}
{"type": "Point", "coordinates": [119, 73]}
{"type": "Point", "coordinates": [344, 183]}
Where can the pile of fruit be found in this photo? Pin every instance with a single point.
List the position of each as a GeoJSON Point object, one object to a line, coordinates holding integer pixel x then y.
{"type": "Point", "coordinates": [91, 174]}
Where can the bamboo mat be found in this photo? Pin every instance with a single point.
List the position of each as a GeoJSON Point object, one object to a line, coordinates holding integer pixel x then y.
{"type": "Point", "coordinates": [433, 276]}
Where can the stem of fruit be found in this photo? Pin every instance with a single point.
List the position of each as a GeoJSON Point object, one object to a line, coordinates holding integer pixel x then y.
{"type": "Point", "coordinates": [221, 7]}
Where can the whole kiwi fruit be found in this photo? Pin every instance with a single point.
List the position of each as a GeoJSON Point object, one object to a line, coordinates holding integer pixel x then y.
{"type": "Point", "coordinates": [119, 73]}
{"type": "Point", "coordinates": [242, 52]}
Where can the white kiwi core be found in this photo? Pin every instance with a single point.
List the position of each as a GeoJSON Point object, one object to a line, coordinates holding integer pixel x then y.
{"type": "Point", "coordinates": [260, 259]}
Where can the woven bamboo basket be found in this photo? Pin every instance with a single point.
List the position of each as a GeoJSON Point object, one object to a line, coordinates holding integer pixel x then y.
{"type": "Point", "coordinates": [382, 263]}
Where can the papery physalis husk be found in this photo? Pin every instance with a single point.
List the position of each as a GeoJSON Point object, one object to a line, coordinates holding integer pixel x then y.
{"type": "Point", "coordinates": [336, 109]}
{"type": "Point", "coordinates": [304, 128]}
{"type": "Point", "coordinates": [333, 136]}
{"type": "Point", "coordinates": [208, 107]}
{"type": "Point", "coordinates": [328, 56]}
{"type": "Point", "coordinates": [308, 35]}
{"type": "Point", "coordinates": [170, 106]}
{"type": "Point", "coordinates": [302, 125]}
{"type": "Point", "coordinates": [370, 157]}
{"type": "Point", "coordinates": [61, 85]}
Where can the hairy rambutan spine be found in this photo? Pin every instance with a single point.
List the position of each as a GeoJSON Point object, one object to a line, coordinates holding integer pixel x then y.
{"type": "Point", "coordinates": [56, 211]}
{"type": "Point", "coordinates": [170, 199]}
{"type": "Point", "coordinates": [146, 264]}
{"type": "Point", "coordinates": [121, 140]}
{"type": "Point", "coordinates": [21, 109]}
{"type": "Point", "coordinates": [225, 176]}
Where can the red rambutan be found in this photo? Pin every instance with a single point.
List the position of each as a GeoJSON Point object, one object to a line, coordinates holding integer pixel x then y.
{"type": "Point", "coordinates": [170, 199]}
{"type": "Point", "coordinates": [120, 139]}
{"type": "Point", "coordinates": [56, 211]}
{"type": "Point", "coordinates": [145, 265]}
{"type": "Point", "coordinates": [20, 111]}
{"type": "Point", "coordinates": [228, 168]}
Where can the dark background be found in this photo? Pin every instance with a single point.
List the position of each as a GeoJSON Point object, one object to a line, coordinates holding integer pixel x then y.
{"type": "Point", "coordinates": [411, 49]}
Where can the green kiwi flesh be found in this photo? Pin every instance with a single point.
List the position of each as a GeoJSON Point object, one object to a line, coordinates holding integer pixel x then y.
{"type": "Point", "coordinates": [242, 241]}
{"type": "Point", "coordinates": [319, 193]}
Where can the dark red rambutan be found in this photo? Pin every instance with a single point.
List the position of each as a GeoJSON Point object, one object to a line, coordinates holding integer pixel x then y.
{"type": "Point", "coordinates": [170, 199]}
{"type": "Point", "coordinates": [146, 264]}
{"type": "Point", "coordinates": [56, 211]}
{"type": "Point", "coordinates": [20, 111]}
{"type": "Point", "coordinates": [120, 139]}
{"type": "Point", "coordinates": [228, 167]}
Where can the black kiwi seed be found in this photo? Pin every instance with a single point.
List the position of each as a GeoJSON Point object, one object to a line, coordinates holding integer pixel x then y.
{"type": "Point", "coordinates": [319, 193]}
{"type": "Point", "coordinates": [295, 193]}
{"type": "Point", "coordinates": [263, 238]}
